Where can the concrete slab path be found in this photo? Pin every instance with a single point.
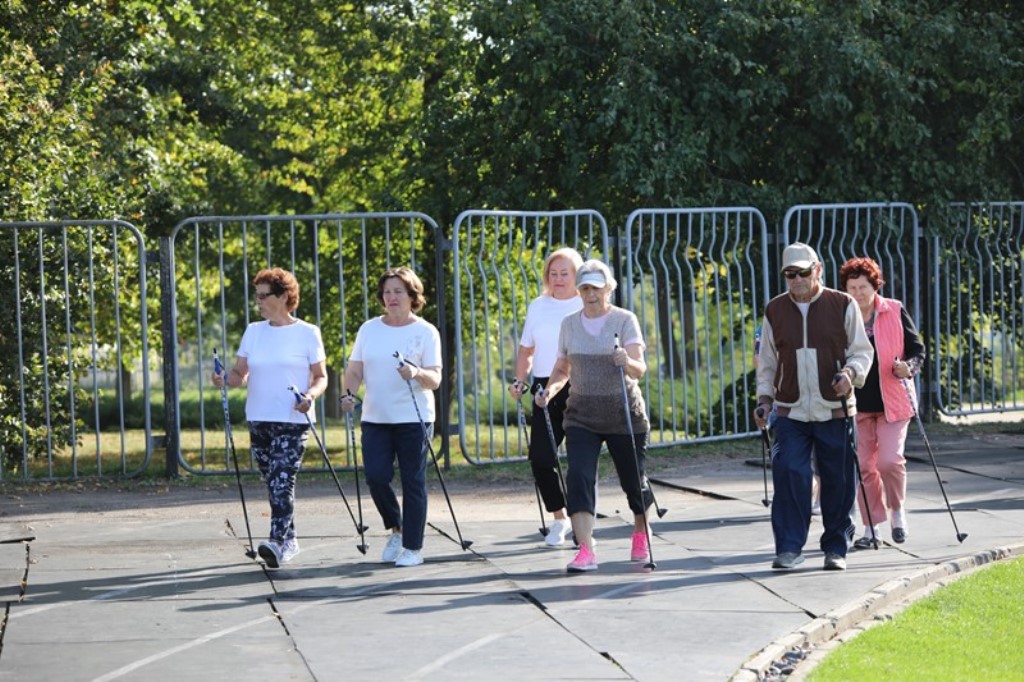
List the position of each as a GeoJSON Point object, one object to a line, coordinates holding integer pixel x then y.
{"type": "Point", "coordinates": [154, 585]}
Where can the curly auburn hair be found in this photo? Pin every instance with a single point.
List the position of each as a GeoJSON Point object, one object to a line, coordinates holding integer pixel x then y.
{"type": "Point", "coordinates": [861, 267]}
{"type": "Point", "coordinates": [281, 282]}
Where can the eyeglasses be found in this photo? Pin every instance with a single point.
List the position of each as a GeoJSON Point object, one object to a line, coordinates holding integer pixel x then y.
{"type": "Point", "coordinates": [262, 295]}
{"type": "Point", "coordinates": [792, 274]}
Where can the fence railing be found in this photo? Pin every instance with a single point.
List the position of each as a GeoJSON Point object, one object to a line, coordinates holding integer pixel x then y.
{"type": "Point", "coordinates": [75, 296]}
{"type": "Point", "coordinates": [336, 258]}
{"type": "Point", "coordinates": [697, 280]}
{"type": "Point", "coordinates": [497, 262]}
{"type": "Point", "coordinates": [976, 285]}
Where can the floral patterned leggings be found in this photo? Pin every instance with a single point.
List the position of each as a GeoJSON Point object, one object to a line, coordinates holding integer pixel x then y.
{"type": "Point", "coordinates": [278, 448]}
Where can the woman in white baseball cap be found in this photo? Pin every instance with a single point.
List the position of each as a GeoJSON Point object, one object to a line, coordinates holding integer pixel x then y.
{"type": "Point", "coordinates": [602, 349]}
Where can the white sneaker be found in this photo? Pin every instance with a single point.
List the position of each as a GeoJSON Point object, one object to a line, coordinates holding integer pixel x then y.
{"type": "Point", "coordinates": [289, 549]}
{"type": "Point", "coordinates": [409, 557]}
{"type": "Point", "coordinates": [392, 549]}
{"type": "Point", "coordinates": [270, 552]}
{"type": "Point", "coordinates": [557, 533]}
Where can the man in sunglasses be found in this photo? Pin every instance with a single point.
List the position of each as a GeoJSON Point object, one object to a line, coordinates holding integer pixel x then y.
{"type": "Point", "coordinates": [814, 351]}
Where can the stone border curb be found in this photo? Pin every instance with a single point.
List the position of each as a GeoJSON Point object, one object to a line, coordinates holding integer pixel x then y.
{"type": "Point", "coordinates": [828, 626]}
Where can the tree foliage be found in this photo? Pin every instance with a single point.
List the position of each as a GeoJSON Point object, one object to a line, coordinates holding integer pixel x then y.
{"type": "Point", "coordinates": [155, 110]}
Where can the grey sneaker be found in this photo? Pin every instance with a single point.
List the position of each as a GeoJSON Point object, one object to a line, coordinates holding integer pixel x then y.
{"type": "Point", "coordinates": [270, 552]}
{"type": "Point", "coordinates": [787, 560]}
{"type": "Point", "coordinates": [392, 549]}
{"type": "Point", "coordinates": [289, 549]}
{"type": "Point", "coordinates": [834, 562]}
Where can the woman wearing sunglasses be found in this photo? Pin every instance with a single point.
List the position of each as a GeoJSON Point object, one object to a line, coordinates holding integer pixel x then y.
{"type": "Point", "coordinates": [279, 352]}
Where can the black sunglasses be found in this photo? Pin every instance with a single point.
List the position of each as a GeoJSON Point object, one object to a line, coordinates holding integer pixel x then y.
{"type": "Point", "coordinates": [792, 274]}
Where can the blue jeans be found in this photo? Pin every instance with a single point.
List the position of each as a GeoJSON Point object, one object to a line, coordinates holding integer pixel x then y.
{"type": "Point", "coordinates": [277, 448]}
{"type": "Point", "coordinates": [382, 444]}
{"type": "Point", "coordinates": [834, 452]}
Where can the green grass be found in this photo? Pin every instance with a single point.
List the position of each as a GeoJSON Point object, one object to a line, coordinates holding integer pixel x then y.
{"type": "Point", "coordinates": [968, 630]}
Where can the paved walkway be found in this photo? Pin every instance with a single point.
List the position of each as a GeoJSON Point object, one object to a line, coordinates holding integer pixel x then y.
{"type": "Point", "coordinates": [155, 585]}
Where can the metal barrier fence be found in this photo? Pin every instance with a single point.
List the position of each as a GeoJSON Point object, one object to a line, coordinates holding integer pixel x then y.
{"type": "Point", "coordinates": [498, 257]}
{"type": "Point", "coordinates": [697, 280]}
{"type": "Point", "coordinates": [887, 232]}
{"type": "Point", "coordinates": [74, 292]}
{"type": "Point", "coordinates": [977, 310]}
{"type": "Point", "coordinates": [336, 258]}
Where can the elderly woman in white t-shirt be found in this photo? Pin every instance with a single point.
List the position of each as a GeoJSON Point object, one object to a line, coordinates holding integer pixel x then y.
{"type": "Point", "coordinates": [394, 427]}
{"type": "Point", "coordinates": [538, 350]}
{"type": "Point", "coordinates": [279, 352]}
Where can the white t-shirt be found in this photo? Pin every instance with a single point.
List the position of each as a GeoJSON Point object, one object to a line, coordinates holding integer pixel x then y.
{"type": "Point", "coordinates": [279, 357]}
{"type": "Point", "coordinates": [544, 318]}
{"type": "Point", "coordinates": [387, 399]}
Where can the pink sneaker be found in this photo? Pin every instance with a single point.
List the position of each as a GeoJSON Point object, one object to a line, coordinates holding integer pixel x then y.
{"type": "Point", "coordinates": [641, 550]}
{"type": "Point", "coordinates": [585, 560]}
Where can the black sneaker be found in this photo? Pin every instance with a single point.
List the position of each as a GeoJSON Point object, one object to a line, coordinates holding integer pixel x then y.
{"type": "Point", "coordinates": [899, 535]}
{"type": "Point", "coordinates": [834, 562]}
{"type": "Point", "coordinates": [864, 543]}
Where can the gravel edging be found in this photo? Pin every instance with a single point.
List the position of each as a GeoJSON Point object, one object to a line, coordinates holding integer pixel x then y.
{"type": "Point", "coordinates": [792, 648]}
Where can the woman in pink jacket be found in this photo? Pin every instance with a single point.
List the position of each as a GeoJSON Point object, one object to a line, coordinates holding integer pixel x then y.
{"type": "Point", "coordinates": [884, 408]}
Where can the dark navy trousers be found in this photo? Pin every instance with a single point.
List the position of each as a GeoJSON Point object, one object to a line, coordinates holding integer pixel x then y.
{"type": "Point", "coordinates": [832, 445]}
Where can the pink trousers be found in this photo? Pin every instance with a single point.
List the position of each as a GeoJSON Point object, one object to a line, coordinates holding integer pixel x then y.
{"type": "Point", "coordinates": [882, 465]}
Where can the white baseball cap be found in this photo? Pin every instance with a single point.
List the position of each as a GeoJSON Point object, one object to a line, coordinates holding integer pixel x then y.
{"type": "Point", "coordinates": [798, 255]}
{"type": "Point", "coordinates": [594, 278]}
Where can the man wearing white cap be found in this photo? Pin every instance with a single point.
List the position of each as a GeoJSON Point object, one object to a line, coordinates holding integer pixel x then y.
{"type": "Point", "coordinates": [814, 351]}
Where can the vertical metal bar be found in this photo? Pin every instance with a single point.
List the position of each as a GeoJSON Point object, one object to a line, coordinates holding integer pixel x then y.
{"type": "Point", "coordinates": [21, 357]}
{"type": "Point", "coordinates": [72, 370]}
{"type": "Point", "coordinates": [94, 346]}
{"type": "Point", "coordinates": [169, 323]}
{"type": "Point", "coordinates": [200, 335]}
{"type": "Point", "coordinates": [45, 333]}
{"type": "Point", "coordinates": [225, 353]}
{"type": "Point", "coordinates": [119, 345]}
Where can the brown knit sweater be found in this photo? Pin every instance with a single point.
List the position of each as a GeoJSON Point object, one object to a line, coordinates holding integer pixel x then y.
{"type": "Point", "coordinates": [595, 390]}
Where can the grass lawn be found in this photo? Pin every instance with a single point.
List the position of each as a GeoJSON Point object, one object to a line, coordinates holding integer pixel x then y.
{"type": "Point", "coordinates": [969, 630]}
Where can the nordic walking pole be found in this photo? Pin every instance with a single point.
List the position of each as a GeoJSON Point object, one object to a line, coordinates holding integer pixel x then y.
{"type": "Point", "coordinates": [960, 537]}
{"type": "Point", "coordinates": [554, 443]}
{"type": "Point", "coordinates": [350, 435]}
{"type": "Point", "coordinates": [766, 445]}
{"type": "Point", "coordinates": [554, 450]}
{"type": "Point", "coordinates": [636, 461]}
{"type": "Point", "coordinates": [521, 415]}
{"type": "Point", "coordinates": [430, 448]}
{"type": "Point", "coordinates": [848, 421]}
{"type": "Point", "coordinates": [218, 369]}
{"type": "Point", "coordinates": [661, 510]}
{"type": "Point", "coordinates": [299, 397]}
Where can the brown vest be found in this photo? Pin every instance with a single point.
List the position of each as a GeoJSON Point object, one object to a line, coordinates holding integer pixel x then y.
{"type": "Point", "coordinates": [825, 332]}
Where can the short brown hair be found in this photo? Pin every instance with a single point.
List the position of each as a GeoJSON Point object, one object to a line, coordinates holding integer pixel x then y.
{"type": "Point", "coordinates": [861, 267]}
{"type": "Point", "coordinates": [281, 282]}
{"type": "Point", "coordinates": [412, 282]}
